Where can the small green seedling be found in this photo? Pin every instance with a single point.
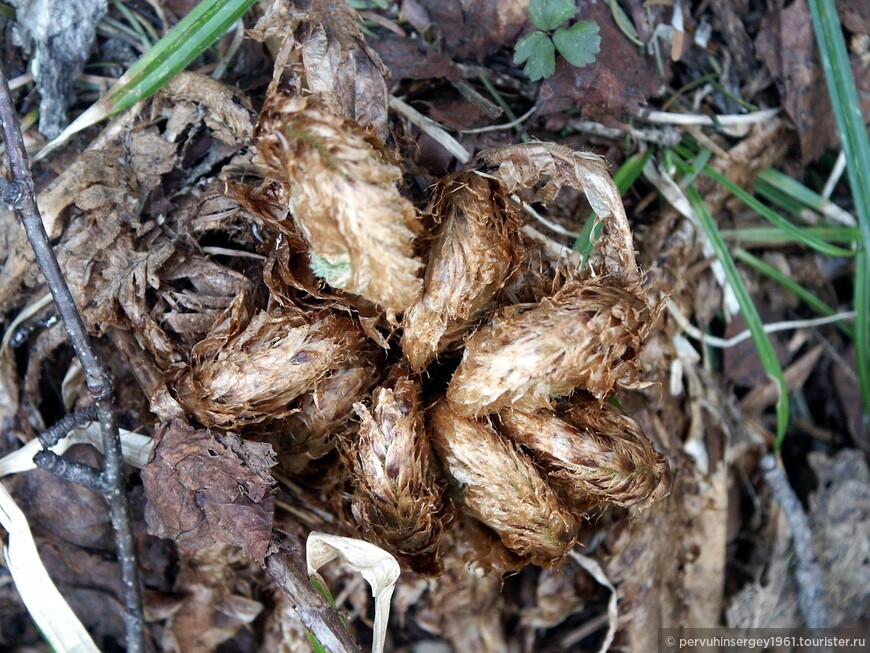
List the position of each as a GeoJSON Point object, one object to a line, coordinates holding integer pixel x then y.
{"type": "Point", "coordinates": [578, 43]}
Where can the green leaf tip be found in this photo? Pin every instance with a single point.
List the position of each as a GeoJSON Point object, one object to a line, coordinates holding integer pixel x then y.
{"type": "Point", "coordinates": [579, 43]}
{"type": "Point", "coordinates": [537, 51]}
{"type": "Point", "coordinates": [547, 15]}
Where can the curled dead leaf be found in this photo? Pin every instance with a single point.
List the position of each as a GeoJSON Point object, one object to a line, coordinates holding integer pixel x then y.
{"type": "Point", "coordinates": [501, 486]}
{"type": "Point", "coordinates": [524, 165]}
{"type": "Point", "coordinates": [396, 499]}
{"type": "Point", "coordinates": [252, 365]}
{"type": "Point", "coordinates": [337, 63]}
{"type": "Point", "coordinates": [343, 193]}
{"type": "Point", "coordinates": [474, 252]}
{"type": "Point", "coordinates": [587, 336]}
{"type": "Point", "coordinates": [594, 455]}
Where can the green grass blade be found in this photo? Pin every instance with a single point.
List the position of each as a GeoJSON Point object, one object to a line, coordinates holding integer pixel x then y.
{"type": "Point", "coordinates": [747, 308]}
{"type": "Point", "coordinates": [792, 286]}
{"type": "Point", "coordinates": [794, 196]}
{"type": "Point", "coordinates": [624, 178]}
{"type": "Point", "coordinates": [853, 133]}
{"type": "Point", "coordinates": [195, 33]}
{"type": "Point", "coordinates": [799, 235]}
{"type": "Point", "coordinates": [776, 236]}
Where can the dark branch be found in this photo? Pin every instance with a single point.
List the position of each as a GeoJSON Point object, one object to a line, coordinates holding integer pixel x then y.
{"type": "Point", "coordinates": [284, 564]}
{"type": "Point", "coordinates": [58, 431]}
{"type": "Point", "coordinates": [70, 470]}
{"type": "Point", "coordinates": [808, 572]}
{"type": "Point", "coordinates": [19, 193]}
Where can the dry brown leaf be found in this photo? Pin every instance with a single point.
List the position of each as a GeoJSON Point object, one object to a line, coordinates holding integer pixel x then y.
{"type": "Point", "coordinates": [466, 610]}
{"type": "Point", "coordinates": [587, 336]}
{"type": "Point", "coordinates": [396, 501]}
{"type": "Point", "coordinates": [342, 191]}
{"type": "Point", "coordinates": [225, 109]}
{"type": "Point", "coordinates": [254, 364]}
{"type": "Point", "coordinates": [204, 488]}
{"type": "Point", "coordinates": [474, 252]}
{"type": "Point", "coordinates": [469, 545]}
{"type": "Point", "coordinates": [337, 63]}
{"type": "Point", "coordinates": [594, 455]}
{"type": "Point", "coordinates": [217, 600]}
{"type": "Point", "coordinates": [501, 487]}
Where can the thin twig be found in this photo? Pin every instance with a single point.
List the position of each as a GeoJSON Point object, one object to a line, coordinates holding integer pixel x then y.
{"type": "Point", "coordinates": [285, 564]}
{"type": "Point", "coordinates": [726, 343]}
{"type": "Point", "coordinates": [99, 382]}
{"type": "Point", "coordinates": [808, 573]}
{"type": "Point", "coordinates": [666, 137]}
{"type": "Point", "coordinates": [67, 423]}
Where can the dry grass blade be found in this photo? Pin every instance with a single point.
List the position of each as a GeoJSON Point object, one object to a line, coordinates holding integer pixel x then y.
{"type": "Point", "coordinates": [523, 166]}
{"type": "Point", "coordinates": [501, 487]}
{"type": "Point", "coordinates": [396, 499]}
{"type": "Point", "coordinates": [49, 610]}
{"type": "Point", "coordinates": [475, 250]}
{"type": "Point", "coordinates": [596, 455]}
{"type": "Point", "coordinates": [343, 193]}
{"type": "Point", "coordinates": [587, 336]}
{"type": "Point", "coordinates": [250, 367]}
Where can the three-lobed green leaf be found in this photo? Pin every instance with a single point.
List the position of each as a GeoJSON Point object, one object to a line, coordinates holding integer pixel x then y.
{"type": "Point", "coordinates": [547, 15]}
{"type": "Point", "coordinates": [537, 51]}
{"type": "Point", "coordinates": [579, 43]}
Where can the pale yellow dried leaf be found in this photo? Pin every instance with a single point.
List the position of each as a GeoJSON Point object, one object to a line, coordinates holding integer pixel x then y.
{"type": "Point", "coordinates": [524, 165]}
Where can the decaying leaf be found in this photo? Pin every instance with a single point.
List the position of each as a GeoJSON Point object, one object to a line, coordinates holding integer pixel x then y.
{"type": "Point", "coordinates": [469, 545]}
{"type": "Point", "coordinates": [204, 488]}
{"type": "Point", "coordinates": [252, 366]}
{"type": "Point", "coordinates": [501, 487]}
{"type": "Point", "coordinates": [466, 610]}
{"type": "Point", "coordinates": [594, 456]}
{"type": "Point", "coordinates": [523, 166]}
{"type": "Point", "coordinates": [343, 193]}
{"type": "Point", "coordinates": [587, 336]}
{"type": "Point", "coordinates": [396, 499]}
{"type": "Point", "coordinates": [217, 603]}
{"type": "Point", "coordinates": [337, 62]}
{"type": "Point", "coordinates": [473, 254]}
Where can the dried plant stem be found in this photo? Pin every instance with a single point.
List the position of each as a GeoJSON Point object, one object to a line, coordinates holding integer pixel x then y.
{"type": "Point", "coordinates": [99, 382]}
{"type": "Point", "coordinates": [285, 563]}
{"type": "Point", "coordinates": [808, 573]}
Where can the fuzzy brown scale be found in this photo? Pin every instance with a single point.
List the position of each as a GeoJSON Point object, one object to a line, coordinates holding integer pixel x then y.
{"type": "Point", "coordinates": [501, 486]}
{"type": "Point", "coordinates": [588, 336]}
{"type": "Point", "coordinates": [474, 252]}
{"type": "Point", "coordinates": [252, 365]}
{"type": "Point", "coordinates": [396, 498]}
{"type": "Point", "coordinates": [343, 194]}
{"type": "Point", "coordinates": [593, 454]}
{"type": "Point", "coordinates": [322, 416]}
